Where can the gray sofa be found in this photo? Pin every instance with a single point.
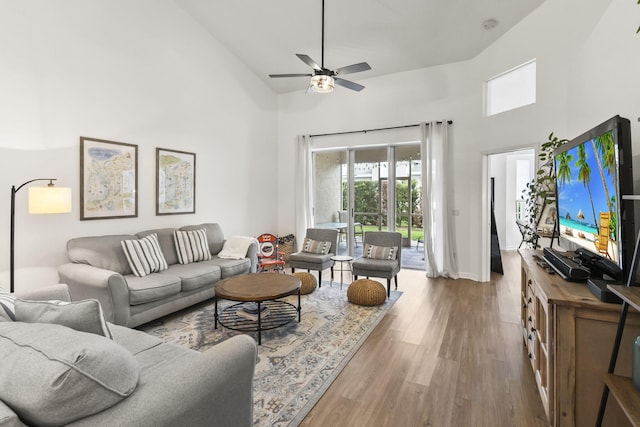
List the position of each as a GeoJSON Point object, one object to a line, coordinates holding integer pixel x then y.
{"type": "Point", "coordinates": [175, 386]}
{"type": "Point", "coordinates": [99, 269]}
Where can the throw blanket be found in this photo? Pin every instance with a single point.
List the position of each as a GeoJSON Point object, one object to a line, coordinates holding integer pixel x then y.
{"type": "Point", "coordinates": [235, 247]}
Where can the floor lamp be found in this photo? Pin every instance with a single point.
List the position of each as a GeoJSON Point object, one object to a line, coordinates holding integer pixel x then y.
{"type": "Point", "coordinates": [42, 200]}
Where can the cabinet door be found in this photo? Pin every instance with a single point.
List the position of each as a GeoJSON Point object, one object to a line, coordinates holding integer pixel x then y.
{"type": "Point", "coordinates": [543, 369]}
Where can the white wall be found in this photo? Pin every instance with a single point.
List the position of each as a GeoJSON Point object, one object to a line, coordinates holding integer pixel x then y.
{"type": "Point", "coordinates": [587, 65]}
{"type": "Point", "coordinates": [141, 72]}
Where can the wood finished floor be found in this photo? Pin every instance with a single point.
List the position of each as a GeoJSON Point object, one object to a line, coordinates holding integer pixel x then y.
{"type": "Point", "coordinates": [448, 353]}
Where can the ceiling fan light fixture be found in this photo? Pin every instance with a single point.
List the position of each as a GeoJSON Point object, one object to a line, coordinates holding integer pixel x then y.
{"type": "Point", "coordinates": [322, 84]}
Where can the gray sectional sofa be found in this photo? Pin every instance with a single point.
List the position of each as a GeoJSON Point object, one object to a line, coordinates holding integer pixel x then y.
{"type": "Point", "coordinates": [99, 269]}
{"type": "Point", "coordinates": [167, 385]}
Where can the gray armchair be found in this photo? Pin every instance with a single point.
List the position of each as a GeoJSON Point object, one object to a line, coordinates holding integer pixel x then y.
{"type": "Point", "coordinates": [316, 262]}
{"type": "Point", "coordinates": [387, 269]}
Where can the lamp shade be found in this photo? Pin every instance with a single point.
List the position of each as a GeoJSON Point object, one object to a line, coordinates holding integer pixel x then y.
{"type": "Point", "coordinates": [49, 200]}
{"type": "Point", "coordinates": [321, 83]}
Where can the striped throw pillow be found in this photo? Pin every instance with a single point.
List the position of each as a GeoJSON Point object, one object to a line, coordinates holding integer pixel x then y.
{"type": "Point", "coordinates": [144, 255]}
{"type": "Point", "coordinates": [316, 246]}
{"type": "Point", "coordinates": [192, 245]}
{"type": "Point", "coordinates": [380, 252]}
{"type": "Point", "coordinates": [7, 306]}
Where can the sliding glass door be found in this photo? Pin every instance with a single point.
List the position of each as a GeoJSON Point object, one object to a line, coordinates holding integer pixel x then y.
{"type": "Point", "coordinates": [352, 193]}
{"type": "Point", "coordinates": [408, 194]}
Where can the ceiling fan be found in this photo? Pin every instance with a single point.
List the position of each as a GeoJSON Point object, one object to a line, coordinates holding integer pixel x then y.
{"type": "Point", "coordinates": [323, 79]}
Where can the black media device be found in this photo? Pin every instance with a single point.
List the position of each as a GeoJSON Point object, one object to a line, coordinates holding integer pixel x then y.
{"type": "Point", "coordinates": [593, 171]}
{"type": "Point", "coordinates": [565, 266]}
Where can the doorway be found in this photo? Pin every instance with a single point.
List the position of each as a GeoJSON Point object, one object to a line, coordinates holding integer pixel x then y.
{"type": "Point", "coordinates": [511, 170]}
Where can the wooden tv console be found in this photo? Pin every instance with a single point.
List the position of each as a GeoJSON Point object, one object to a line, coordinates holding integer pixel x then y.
{"type": "Point", "coordinates": [568, 335]}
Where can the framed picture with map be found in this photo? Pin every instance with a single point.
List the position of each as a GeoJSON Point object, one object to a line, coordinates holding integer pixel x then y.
{"type": "Point", "coordinates": [108, 179]}
{"type": "Point", "coordinates": [175, 182]}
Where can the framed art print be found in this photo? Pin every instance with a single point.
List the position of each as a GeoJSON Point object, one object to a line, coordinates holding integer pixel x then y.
{"type": "Point", "coordinates": [175, 182]}
{"type": "Point", "coordinates": [108, 179]}
{"type": "Point", "coordinates": [548, 217]}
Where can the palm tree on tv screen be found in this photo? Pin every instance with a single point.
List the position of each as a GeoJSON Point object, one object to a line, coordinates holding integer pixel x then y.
{"type": "Point", "coordinates": [564, 170]}
{"type": "Point", "coordinates": [605, 159]}
{"type": "Point", "coordinates": [584, 174]}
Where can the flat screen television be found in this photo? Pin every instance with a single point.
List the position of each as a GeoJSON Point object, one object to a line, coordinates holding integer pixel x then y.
{"type": "Point", "coordinates": [593, 172]}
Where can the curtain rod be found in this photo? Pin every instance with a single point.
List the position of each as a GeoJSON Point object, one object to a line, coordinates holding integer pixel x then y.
{"type": "Point", "coordinates": [372, 130]}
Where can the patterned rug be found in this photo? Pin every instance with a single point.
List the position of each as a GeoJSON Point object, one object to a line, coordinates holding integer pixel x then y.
{"type": "Point", "coordinates": [296, 362]}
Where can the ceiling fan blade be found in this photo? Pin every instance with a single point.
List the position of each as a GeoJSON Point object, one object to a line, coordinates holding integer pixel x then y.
{"type": "Point", "coordinates": [310, 62]}
{"type": "Point", "coordinates": [289, 75]}
{"type": "Point", "coordinates": [348, 84]}
{"type": "Point", "coordinates": [355, 68]}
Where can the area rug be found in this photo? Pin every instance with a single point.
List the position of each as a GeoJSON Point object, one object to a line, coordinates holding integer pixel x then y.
{"type": "Point", "coordinates": [296, 362]}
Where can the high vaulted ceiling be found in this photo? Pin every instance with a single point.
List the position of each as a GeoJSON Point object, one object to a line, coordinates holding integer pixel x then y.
{"type": "Point", "coordinates": [391, 35]}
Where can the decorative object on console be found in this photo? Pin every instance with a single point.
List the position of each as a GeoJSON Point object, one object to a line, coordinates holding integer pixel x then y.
{"type": "Point", "coordinates": [175, 182]}
{"type": "Point", "coordinates": [42, 200]}
{"type": "Point", "coordinates": [540, 188]}
{"type": "Point", "coordinates": [108, 179]}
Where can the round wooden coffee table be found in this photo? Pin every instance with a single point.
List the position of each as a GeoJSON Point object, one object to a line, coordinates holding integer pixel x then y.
{"type": "Point", "coordinates": [263, 289]}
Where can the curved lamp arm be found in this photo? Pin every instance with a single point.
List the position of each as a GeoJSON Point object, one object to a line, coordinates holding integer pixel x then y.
{"type": "Point", "coordinates": [14, 190]}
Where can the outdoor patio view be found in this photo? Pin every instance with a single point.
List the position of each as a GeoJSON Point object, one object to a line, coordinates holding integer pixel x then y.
{"type": "Point", "coordinates": [370, 189]}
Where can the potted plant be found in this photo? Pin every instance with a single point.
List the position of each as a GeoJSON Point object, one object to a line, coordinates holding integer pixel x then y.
{"type": "Point", "coordinates": [539, 189]}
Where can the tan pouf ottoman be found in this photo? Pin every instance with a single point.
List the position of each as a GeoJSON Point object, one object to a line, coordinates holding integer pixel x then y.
{"type": "Point", "coordinates": [366, 292]}
{"type": "Point", "coordinates": [309, 282]}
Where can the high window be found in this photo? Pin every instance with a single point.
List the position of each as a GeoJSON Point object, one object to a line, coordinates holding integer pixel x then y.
{"type": "Point", "coordinates": [512, 89]}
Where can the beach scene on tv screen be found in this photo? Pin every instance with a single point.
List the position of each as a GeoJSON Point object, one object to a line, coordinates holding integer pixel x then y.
{"type": "Point", "coordinates": [586, 178]}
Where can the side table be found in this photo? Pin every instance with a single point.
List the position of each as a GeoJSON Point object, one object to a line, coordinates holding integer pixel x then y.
{"type": "Point", "coordinates": [342, 259]}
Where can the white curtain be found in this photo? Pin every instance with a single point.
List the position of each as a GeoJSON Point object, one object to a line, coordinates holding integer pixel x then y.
{"type": "Point", "coordinates": [304, 186]}
{"type": "Point", "coordinates": [437, 191]}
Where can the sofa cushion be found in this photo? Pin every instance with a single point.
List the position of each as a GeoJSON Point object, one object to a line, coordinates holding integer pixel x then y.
{"type": "Point", "coordinates": [100, 251]}
{"type": "Point", "coordinates": [52, 375]}
{"type": "Point", "coordinates": [167, 243]}
{"type": "Point", "coordinates": [310, 257]}
{"type": "Point", "coordinates": [375, 264]}
{"type": "Point", "coordinates": [194, 276]}
{"type": "Point", "coordinates": [155, 286]}
{"type": "Point", "coordinates": [215, 237]}
{"type": "Point", "coordinates": [192, 246]}
{"type": "Point", "coordinates": [231, 267]}
{"type": "Point", "coordinates": [132, 340]}
{"type": "Point", "coordinates": [84, 316]}
{"type": "Point", "coordinates": [144, 255]}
